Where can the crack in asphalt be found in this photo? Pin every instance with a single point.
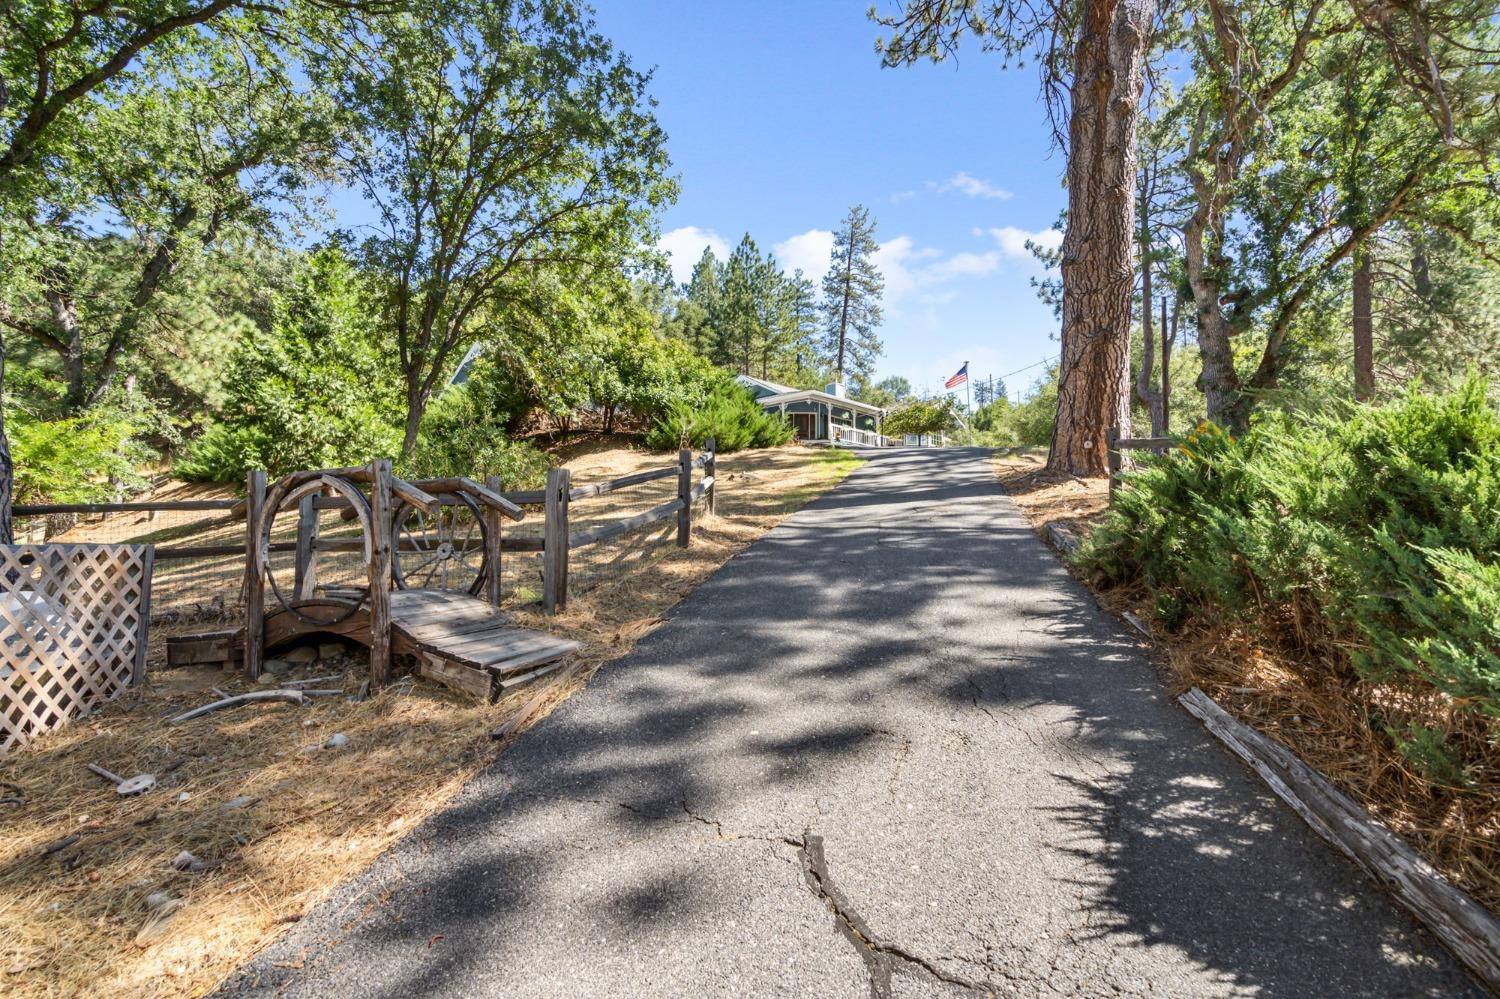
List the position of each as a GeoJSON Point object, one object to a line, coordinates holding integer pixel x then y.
{"type": "Point", "coordinates": [881, 957]}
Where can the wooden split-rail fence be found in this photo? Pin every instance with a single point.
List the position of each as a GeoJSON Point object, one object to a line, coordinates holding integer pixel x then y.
{"type": "Point", "coordinates": [453, 626]}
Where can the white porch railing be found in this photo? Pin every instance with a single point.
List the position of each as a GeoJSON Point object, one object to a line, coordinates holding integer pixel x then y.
{"type": "Point", "coordinates": [866, 438]}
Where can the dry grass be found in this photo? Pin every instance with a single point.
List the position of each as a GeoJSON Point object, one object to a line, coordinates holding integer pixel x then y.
{"type": "Point", "coordinates": [78, 922]}
{"type": "Point", "coordinates": [1273, 676]}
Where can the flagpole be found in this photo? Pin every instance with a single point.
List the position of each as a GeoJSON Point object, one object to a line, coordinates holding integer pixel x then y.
{"type": "Point", "coordinates": [969, 391]}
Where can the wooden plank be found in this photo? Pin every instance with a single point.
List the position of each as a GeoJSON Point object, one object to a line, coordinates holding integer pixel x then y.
{"type": "Point", "coordinates": [634, 479]}
{"type": "Point", "coordinates": [527, 711]}
{"type": "Point", "coordinates": [477, 683]}
{"type": "Point", "coordinates": [494, 645]}
{"type": "Point", "coordinates": [703, 488]}
{"type": "Point", "coordinates": [305, 579]}
{"type": "Point", "coordinates": [1468, 930]}
{"type": "Point", "coordinates": [157, 506]}
{"type": "Point", "coordinates": [555, 542]}
{"type": "Point", "coordinates": [486, 495]}
{"type": "Point", "coordinates": [223, 647]}
{"type": "Point", "coordinates": [419, 498]}
{"type": "Point", "coordinates": [1112, 460]}
{"type": "Point", "coordinates": [711, 471]}
{"type": "Point", "coordinates": [214, 551]}
{"type": "Point", "coordinates": [517, 679]}
{"type": "Point", "coordinates": [615, 528]}
{"type": "Point", "coordinates": [685, 494]}
{"type": "Point", "coordinates": [557, 650]}
{"type": "Point", "coordinates": [433, 635]}
{"type": "Point", "coordinates": [526, 497]}
{"type": "Point", "coordinates": [492, 556]}
{"type": "Point", "coordinates": [143, 627]}
{"type": "Point", "coordinates": [255, 576]}
{"type": "Point", "coordinates": [380, 573]}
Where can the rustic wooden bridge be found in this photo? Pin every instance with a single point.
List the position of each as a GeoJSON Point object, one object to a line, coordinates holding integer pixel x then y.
{"type": "Point", "coordinates": [430, 549]}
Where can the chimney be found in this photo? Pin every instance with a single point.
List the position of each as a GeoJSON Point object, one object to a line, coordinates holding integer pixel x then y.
{"type": "Point", "coordinates": [836, 389]}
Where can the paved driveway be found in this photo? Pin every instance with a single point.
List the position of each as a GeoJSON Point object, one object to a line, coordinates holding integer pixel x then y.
{"type": "Point", "coordinates": [893, 749]}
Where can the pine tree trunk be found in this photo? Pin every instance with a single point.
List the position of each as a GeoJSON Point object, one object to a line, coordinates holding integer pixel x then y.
{"type": "Point", "coordinates": [1167, 338]}
{"type": "Point", "coordinates": [1093, 392]}
{"type": "Point", "coordinates": [1364, 329]}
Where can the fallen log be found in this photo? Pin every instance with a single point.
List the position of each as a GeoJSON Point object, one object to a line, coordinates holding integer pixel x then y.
{"type": "Point", "coordinates": [254, 697]}
{"type": "Point", "coordinates": [1465, 926]}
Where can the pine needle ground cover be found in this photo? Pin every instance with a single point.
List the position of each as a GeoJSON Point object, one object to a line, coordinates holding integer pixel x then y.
{"type": "Point", "coordinates": [110, 915]}
{"type": "Point", "coordinates": [1332, 582]}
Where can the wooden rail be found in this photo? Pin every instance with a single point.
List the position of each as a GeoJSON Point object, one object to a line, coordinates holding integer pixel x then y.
{"type": "Point", "coordinates": [560, 494]}
{"type": "Point", "coordinates": [1117, 444]}
{"type": "Point", "coordinates": [384, 491]}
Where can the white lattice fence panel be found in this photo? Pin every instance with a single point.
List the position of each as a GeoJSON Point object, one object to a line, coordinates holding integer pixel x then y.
{"type": "Point", "coordinates": [73, 622]}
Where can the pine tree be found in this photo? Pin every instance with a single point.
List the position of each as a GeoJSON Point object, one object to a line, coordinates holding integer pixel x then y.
{"type": "Point", "coordinates": [700, 305]}
{"type": "Point", "coordinates": [851, 297]}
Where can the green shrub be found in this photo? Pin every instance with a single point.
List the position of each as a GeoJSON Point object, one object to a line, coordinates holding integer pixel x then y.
{"type": "Point", "coordinates": [728, 413]}
{"type": "Point", "coordinates": [83, 459]}
{"type": "Point", "coordinates": [461, 435]}
{"type": "Point", "coordinates": [1377, 533]}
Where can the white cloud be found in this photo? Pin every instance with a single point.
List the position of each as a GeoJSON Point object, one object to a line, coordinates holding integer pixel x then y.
{"type": "Point", "coordinates": [1013, 240]}
{"type": "Point", "coordinates": [901, 196]}
{"type": "Point", "coordinates": [807, 251]}
{"type": "Point", "coordinates": [968, 184]}
{"type": "Point", "coordinates": [685, 245]}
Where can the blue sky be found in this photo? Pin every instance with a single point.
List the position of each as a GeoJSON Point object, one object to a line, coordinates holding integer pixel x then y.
{"type": "Point", "coordinates": [779, 118]}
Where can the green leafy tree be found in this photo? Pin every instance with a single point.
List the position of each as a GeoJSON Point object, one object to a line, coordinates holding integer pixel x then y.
{"type": "Point", "coordinates": [852, 290]}
{"type": "Point", "coordinates": [316, 390]}
{"type": "Point", "coordinates": [923, 416]}
{"type": "Point", "coordinates": [500, 139]}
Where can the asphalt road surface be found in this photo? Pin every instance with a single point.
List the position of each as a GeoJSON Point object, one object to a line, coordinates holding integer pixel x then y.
{"type": "Point", "coordinates": [892, 749]}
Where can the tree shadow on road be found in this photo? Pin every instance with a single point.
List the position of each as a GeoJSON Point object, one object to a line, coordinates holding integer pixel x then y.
{"type": "Point", "coordinates": [882, 645]}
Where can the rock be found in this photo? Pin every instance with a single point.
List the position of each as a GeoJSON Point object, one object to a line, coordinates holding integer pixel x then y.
{"type": "Point", "coordinates": [183, 796]}
{"type": "Point", "coordinates": [185, 861]}
{"type": "Point", "coordinates": [330, 650]}
{"type": "Point", "coordinates": [302, 655]}
{"type": "Point", "coordinates": [157, 899]}
{"type": "Point", "coordinates": [276, 667]}
{"type": "Point", "coordinates": [267, 679]}
{"type": "Point", "coordinates": [242, 801]}
{"type": "Point", "coordinates": [240, 839]}
{"type": "Point", "coordinates": [337, 740]}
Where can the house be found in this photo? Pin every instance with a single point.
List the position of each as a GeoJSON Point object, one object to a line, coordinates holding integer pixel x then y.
{"type": "Point", "coordinates": [828, 417]}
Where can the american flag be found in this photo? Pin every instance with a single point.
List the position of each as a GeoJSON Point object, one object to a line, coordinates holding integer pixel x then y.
{"type": "Point", "coordinates": [958, 379]}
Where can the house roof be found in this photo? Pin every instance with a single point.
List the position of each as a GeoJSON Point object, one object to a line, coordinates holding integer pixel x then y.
{"type": "Point", "coordinates": [799, 395]}
{"type": "Point", "coordinates": [775, 388]}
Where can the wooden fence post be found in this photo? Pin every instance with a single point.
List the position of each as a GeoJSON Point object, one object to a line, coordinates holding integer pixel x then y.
{"type": "Point", "coordinates": [685, 494]}
{"type": "Point", "coordinates": [305, 583]}
{"type": "Point", "coordinates": [380, 573]}
{"type": "Point", "coordinates": [555, 541]}
{"type": "Point", "coordinates": [710, 472]}
{"type": "Point", "coordinates": [255, 574]}
{"type": "Point", "coordinates": [492, 522]}
{"type": "Point", "coordinates": [1112, 459]}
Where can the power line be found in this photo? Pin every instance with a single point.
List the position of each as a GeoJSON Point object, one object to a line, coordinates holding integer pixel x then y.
{"type": "Point", "coordinates": [1030, 366]}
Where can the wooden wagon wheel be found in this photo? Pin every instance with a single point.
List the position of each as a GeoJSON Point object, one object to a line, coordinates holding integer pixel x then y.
{"type": "Point", "coordinates": [444, 550]}
{"type": "Point", "coordinates": [285, 495]}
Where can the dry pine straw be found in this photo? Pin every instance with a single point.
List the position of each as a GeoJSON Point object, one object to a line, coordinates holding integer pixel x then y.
{"type": "Point", "coordinates": [1290, 686]}
{"type": "Point", "coordinates": [77, 922]}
